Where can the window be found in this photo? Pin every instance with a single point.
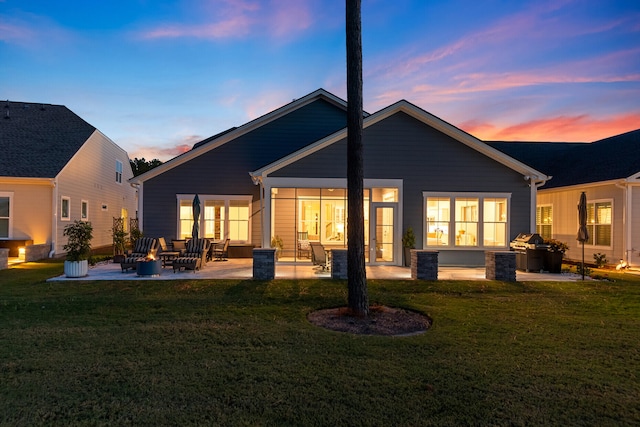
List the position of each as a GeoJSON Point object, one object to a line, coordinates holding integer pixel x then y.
{"type": "Point", "coordinates": [239, 220]}
{"type": "Point", "coordinates": [5, 215]}
{"type": "Point", "coordinates": [438, 209]}
{"type": "Point", "coordinates": [84, 210]}
{"type": "Point", "coordinates": [119, 171]}
{"type": "Point", "coordinates": [65, 214]}
{"type": "Point", "coordinates": [599, 223]}
{"type": "Point", "coordinates": [495, 222]}
{"type": "Point", "coordinates": [223, 217]}
{"type": "Point", "coordinates": [544, 221]}
{"type": "Point", "coordinates": [466, 220]}
{"type": "Point", "coordinates": [466, 226]}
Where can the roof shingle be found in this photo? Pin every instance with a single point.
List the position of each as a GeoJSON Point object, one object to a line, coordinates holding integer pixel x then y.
{"type": "Point", "coordinates": [38, 140]}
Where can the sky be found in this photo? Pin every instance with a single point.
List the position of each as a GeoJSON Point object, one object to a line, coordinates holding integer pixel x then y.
{"type": "Point", "coordinates": [157, 76]}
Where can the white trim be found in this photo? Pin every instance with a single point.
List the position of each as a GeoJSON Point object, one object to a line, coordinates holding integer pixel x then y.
{"type": "Point", "coordinates": [8, 194]}
{"type": "Point", "coordinates": [277, 182]}
{"type": "Point", "coordinates": [224, 197]}
{"type": "Point", "coordinates": [242, 130]}
{"type": "Point", "coordinates": [611, 224]}
{"type": "Point", "coordinates": [119, 173]}
{"type": "Point", "coordinates": [535, 219]}
{"type": "Point", "coordinates": [68, 217]}
{"type": "Point", "coordinates": [84, 203]}
{"type": "Point", "coordinates": [421, 115]}
{"type": "Point", "coordinates": [481, 196]}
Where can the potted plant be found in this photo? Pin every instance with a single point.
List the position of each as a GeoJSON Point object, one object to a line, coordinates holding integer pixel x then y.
{"type": "Point", "coordinates": [119, 244]}
{"type": "Point", "coordinates": [78, 248]}
{"type": "Point", "coordinates": [553, 257]}
{"type": "Point", "coordinates": [408, 243]}
{"type": "Point", "coordinates": [276, 242]}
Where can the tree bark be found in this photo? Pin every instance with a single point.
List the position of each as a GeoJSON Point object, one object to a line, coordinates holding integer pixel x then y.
{"type": "Point", "coordinates": [358, 299]}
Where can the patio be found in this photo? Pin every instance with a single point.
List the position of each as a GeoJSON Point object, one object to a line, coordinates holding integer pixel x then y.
{"type": "Point", "coordinates": [242, 268]}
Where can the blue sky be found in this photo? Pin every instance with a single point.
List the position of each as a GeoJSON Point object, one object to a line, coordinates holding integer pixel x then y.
{"type": "Point", "coordinates": [158, 76]}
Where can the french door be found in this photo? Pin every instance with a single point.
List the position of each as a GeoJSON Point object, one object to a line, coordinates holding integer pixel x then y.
{"type": "Point", "coordinates": [382, 234]}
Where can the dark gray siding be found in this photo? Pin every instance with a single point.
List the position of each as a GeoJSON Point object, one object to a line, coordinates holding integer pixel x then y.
{"type": "Point", "coordinates": [225, 170]}
{"type": "Point", "coordinates": [401, 147]}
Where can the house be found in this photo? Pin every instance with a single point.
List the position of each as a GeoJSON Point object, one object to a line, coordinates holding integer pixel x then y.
{"type": "Point", "coordinates": [56, 168]}
{"type": "Point", "coordinates": [608, 171]}
{"type": "Point", "coordinates": [283, 176]}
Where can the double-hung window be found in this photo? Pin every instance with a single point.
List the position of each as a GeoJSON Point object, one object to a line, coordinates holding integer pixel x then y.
{"type": "Point", "coordinates": [119, 171]}
{"type": "Point", "coordinates": [461, 220]}
{"type": "Point", "coordinates": [544, 221]}
{"type": "Point", "coordinates": [599, 218]}
{"type": "Point", "coordinates": [65, 208]}
{"type": "Point", "coordinates": [5, 215]}
{"type": "Point", "coordinates": [84, 210]}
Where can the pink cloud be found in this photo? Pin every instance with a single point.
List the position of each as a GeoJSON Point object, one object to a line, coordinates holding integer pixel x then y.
{"type": "Point", "coordinates": [240, 18]}
{"type": "Point", "coordinates": [582, 128]}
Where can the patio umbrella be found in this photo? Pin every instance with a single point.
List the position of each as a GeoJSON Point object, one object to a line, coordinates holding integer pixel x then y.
{"type": "Point", "coordinates": [195, 231]}
{"type": "Point", "coordinates": [583, 233]}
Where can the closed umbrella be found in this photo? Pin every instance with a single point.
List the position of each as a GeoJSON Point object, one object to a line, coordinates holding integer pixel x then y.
{"type": "Point", "coordinates": [195, 231]}
{"type": "Point", "coordinates": [583, 233]}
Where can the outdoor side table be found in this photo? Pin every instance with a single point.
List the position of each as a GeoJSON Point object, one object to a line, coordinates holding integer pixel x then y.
{"type": "Point", "coordinates": [167, 257]}
{"type": "Point", "coordinates": [148, 267]}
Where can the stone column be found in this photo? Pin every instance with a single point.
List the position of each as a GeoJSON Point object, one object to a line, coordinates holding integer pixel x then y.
{"type": "Point", "coordinates": [264, 264]}
{"type": "Point", "coordinates": [500, 265]}
{"type": "Point", "coordinates": [339, 264]}
{"type": "Point", "coordinates": [4, 258]}
{"type": "Point", "coordinates": [424, 264]}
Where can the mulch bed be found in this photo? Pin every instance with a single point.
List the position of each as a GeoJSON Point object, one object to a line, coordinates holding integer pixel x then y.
{"type": "Point", "coordinates": [382, 320]}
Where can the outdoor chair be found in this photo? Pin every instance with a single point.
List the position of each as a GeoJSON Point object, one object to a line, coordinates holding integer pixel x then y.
{"type": "Point", "coordinates": [144, 247]}
{"type": "Point", "coordinates": [319, 256]}
{"type": "Point", "coordinates": [304, 250]}
{"type": "Point", "coordinates": [221, 250]}
{"type": "Point", "coordinates": [194, 257]}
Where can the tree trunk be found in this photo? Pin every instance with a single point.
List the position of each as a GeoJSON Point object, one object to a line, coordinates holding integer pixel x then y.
{"type": "Point", "coordinates": [358, 299]}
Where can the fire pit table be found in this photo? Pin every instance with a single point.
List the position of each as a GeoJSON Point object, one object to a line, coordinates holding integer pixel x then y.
{"type": "Point", "coordinates": [148, 267]}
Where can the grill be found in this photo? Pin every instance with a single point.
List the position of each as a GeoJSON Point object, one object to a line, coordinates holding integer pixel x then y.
{"type": "Point", "coordinates": [530, 250]}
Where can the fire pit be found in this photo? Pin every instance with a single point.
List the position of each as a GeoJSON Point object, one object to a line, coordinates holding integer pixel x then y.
{"type": "Point", "coordinates": [148, 267]}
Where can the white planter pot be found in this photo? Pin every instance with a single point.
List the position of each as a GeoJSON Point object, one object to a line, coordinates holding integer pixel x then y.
{"type": "Point", "coordinates": [76, 268]}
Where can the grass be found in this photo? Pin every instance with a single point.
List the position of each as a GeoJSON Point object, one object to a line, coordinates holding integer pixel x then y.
{"type": "Point", "coordinates": [242, 353]}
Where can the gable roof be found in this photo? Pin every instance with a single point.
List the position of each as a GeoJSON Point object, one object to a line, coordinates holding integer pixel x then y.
{"type": "Point", "coordinates": [38, 140]}
{"type": "Point", "coordinates": [421, 115]}
{"type": "Point", "coordinates": [613, 158]}
{"type": "Point", "coordinates": [229, 135]}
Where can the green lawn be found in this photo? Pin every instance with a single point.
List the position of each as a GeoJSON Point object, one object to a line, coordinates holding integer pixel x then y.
{"type": "Point", "coordinates": [242, 353]}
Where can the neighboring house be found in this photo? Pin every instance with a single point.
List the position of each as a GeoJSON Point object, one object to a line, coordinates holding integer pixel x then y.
{"type": "Point", "coordinates": [56, 168]}
{"type": "Point", "coordinates": [461, 196]}
{"type": "Point", "coordinates": [608, 171]}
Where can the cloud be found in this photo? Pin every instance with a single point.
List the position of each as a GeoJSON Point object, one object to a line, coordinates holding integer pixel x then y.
{"type": "Point", "coordinates": [578, 128]}
{"type": "Point", "coordinates": [32, 31]}
{"type": "Point", "coordinates": [234, 19]}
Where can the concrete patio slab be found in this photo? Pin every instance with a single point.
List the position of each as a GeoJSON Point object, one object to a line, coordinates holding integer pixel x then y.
{"type": "Point", "coordinates": [243, 269]}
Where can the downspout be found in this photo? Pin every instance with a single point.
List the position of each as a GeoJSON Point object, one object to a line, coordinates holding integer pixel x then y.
{"type": "Point", "coordinates": [626, 235]}
{"type": "Point", "coordinates": [54, 220]}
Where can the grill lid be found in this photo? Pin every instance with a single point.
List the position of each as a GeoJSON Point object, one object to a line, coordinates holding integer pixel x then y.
{"type": "Point", "coordinates": [529, 239]}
